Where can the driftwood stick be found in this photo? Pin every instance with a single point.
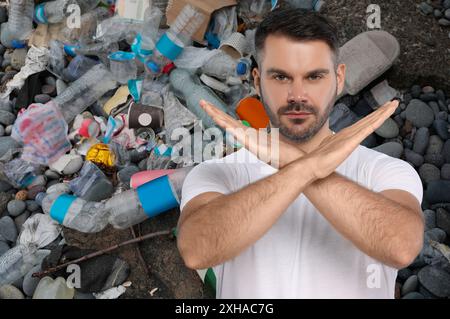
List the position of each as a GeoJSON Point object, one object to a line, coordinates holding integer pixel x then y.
{"type": "Point", "coordinates": [101, 252]}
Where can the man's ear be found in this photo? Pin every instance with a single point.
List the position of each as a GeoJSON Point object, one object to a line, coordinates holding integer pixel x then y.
{"type": "Point", "coordinates": [340, 75]}
{"type": "Point", "coordinates": [256, 80]}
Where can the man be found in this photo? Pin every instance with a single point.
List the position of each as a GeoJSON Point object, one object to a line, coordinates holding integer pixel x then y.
{"type": "Point", "coordinates": [330, 218]}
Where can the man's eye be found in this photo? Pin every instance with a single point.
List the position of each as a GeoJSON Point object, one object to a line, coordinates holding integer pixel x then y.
{"type": "Point", "coordinates": [280, 77]}
{"type": "Point", "coordinates": [316, 77]}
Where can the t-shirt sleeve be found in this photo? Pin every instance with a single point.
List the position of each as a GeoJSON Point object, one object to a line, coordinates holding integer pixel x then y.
{"type": "Point", "coordinates": [393, 173]}
{"type": "Point", "coordinates": [208, 177]}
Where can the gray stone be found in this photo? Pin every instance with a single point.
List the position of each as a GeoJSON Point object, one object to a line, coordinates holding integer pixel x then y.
{"type": "Point", "coordinates": [16, 207]}
{"type": "Point", "coordinates": [413, 295]}
{"type": "Point", "coordinates": [388, 129]}
{"type": "Point", "coordinates": [435, 234]}
{"type": "Point", "coordinates": [442, 116]}
{"type": "Point", "coordinates": [425, 8]}
{"type": "Point", "coordinates": [393, 149]}
{"type": "Point", "coordinates": [30, 283]}
{"type": "Point", "coordinates": [125, 174]}
{"type": "Point", "coordinates": [42, 98]}
{"type": "Point", "coordinates": [10, 292]}
{"type": "Point", "coordinates": [421, 140]}
{"type": "Point", "coordinates": [404, 274]}
{"type": "Point", "coordinates": [444, 22]}
{"type": "Point", "coordinates": [428, 97]}
{"type": "Point", "coordinates": [7, 143]}
{"type": "Point", "coordinates": [58, 188]}
{"type": "Point", "coordinates": [428, 89]}
{"type": "Point", "coordinates": [429, 218]}
{"type": "Point", "coordinates": [32, 205]}
{"type": "Point", "coordinates": [8, 229]}
{"type": "Point", "coordinates": [39, 180]}
{"type": "Point", "coordinates": [6, 118]}
{"type": "Point", "coordinates": [410, 285]}
{"type": "Point", "coordinates": [443, 220]}
{"type": "Point", "coordinates": [434, 159]}
{"type": "Point", "coordinates": [72, 164]}
{"type": "Point", "coordinates": [447, 14]}
{"type": "Point", "coordinates": [407, 144]}
{"type": "Point", "coordinates": [438, 192]}
{"type": "Point", "coordinates": [5, 186]}
{"type": "Point", "coordinates": [8, 130]}
{"type": "Point", "coordinates": [445, 171]}
{"type": "Point", "coordinates": [4, 247]}
{"type": "Point", "coordinates": [416, 90]}
{"type": "Point", "coordinates": [48, 89]}
{"type": "Point", "coordinates": [415, 159]}
{"type": "Point", "coordinates": [446, 4]}
{"type": "Point", "coordinates": [102, 189]}
{"type": "Point", "coordinates": [19, 220]}
{"type": "Point", "coordinates": [435, 145]}
{"type": "Point", "coordinates": [446, 151]}
{"type": "Point", "coordinates": [341, 116]}
{"type": "Point", "coordinates": [438, 13]}
{"type": "Point", "coordinates": [419, 113]}
{"type": "Point", "coordinates": [2, 130]}
{"type": "Point", "coordinates": [81, 295]}
{"type": "Point", "coordinates": [54, 175]}
{"type": "Point", "coordinates": [4, 200]}
{"type": "Point", "coordinates": [3, 17]}
{"type": "Point", "coordinates": [435, 280]}
{"type": "Point", "coordinates": [429, 173]}
{"type": "Point", "coordinates": [441, 128]}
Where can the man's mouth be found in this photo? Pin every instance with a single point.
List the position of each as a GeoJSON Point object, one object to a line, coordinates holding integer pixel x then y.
{"type": "Point", "coordinates": [297, 115]}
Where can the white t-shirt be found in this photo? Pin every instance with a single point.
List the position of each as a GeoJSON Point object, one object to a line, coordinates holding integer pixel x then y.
{"type": "Point", "coordinates": [302, 255]}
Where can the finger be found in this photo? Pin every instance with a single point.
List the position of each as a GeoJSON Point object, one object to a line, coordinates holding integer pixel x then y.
{"type": "Point", "coordinates": [218, 115]}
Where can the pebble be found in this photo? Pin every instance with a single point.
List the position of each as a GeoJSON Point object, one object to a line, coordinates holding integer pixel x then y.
{"type": "Point", "coordinates": [6, 118]}
{"type": "Point", "coordinates": [416, 90]}
{"type": "Point", "coordinates": [50, 80]}
{"type": "Point", "coordinates": [425, 8]}
{"type": "Point", "coordinates": [404, 274]}
{"type": "Point", "coordinates": [434, 159]}
{"type": "Point", "coordinates": [8, 130]}
{"type": "Point", "coordinates": [2, 130]}
{"type": "Point", "coordinates": [30, 283]}
{"type": "Point", "coordinates": [10, 292]}
{"type": "Point", "coordinates": [16, 207]}
{"type": "Point", "coordinates": [429, 219]}
{"type": "Point", "coordinates": [393, 149]}
{"type": "Point", "coordinates": [67, 164]}
{"type": "Point", "coordinates": [441, 128]}
{"type": "Point", "coordinates": [421, 140]}
{"type": "Point", "coordinates": [5, 186]}
{"type": "Point", "coordinates": [443, 220]}
{"type": "Point", "coordinates": [435, 145]}
{"type": "Point", "coordinates": [51, 174]}
{"type": "Point", "coordinates": [388, 129]}
{"type": "Point", "coordinates": [48, 89]}
{"type": "Point", "coordinates": [39, 180]}
{"type": "Point", "coordinates": [413, 158]}
{"type": "Point", "coordinates": [22, 195]}
{"type": "Point", "coordinates": [59, 188]}
{"type": "Point", "coordinates": [438, 192]}
{"type": "Point", "coordinates": [19, 220]}
{"type": "Point", "coordinates": [444, 22]}
{"type": "Point", "coordinates": [52, 182]}
{"type": "Point", "coordinates": [446, 151]}
{"type": "Point", "coordinates": [428, 89]}
{"type": "Point", "coordinates": [3, 16]}
{"type": "Point", "coordinates": [413, 295]}
{"type": "Point", "coordinates": [4, 247]}
{"type": "Point", "coordinates": [410, 285]}
{"type": "Point", "coordinates": [419, 113]}
{"type": "Point", "coordinates": [5, 198]}
{"type": "Point", "coordinates": [437, 13]}
{"type": "Point", "coordinates": [33, 191]}
{"type": "Point", "coordinates": [42, 98]}
{"type": "Point", "coordinates": [447, 14]}
{"type": "Point", "coordinates": [435, 280]}
{"type": "Point", "coordinates": [446, 4]}
{"type": "Point", "coordinates": [32, 205]}
{"type": "Point", "coordinates": [408, 144]}
{"type": "Point", "coordinates": [445, 171]}
{"type": "Point", "coordinates": [8, 229]}
{"type": "Point", "coordinates": [429, 173]}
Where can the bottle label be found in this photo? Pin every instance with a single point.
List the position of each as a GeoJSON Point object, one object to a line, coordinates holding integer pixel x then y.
{"type": "Point", "coordinates": [168, 48]}
{"type": "Point", "coordinates": [156, 196]}
{"type": "Point", "coordinates": [39, 14]}
{"type": "Point", "coordinates": [61, 206]}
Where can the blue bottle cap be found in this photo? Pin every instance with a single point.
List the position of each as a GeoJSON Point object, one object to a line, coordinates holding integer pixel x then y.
{"type": "Point", "coordinates": [241, 68]}
{"type": "Point", "coordinates": [18, 44]}
{"type": "Point", "coordinates": [122, 56]}
{"type": "Point", "coordinates": [168, 48]}
{"type": "Point", "coordinates": [39, 14]}
{"type": "Point", "coordinates": [70, 49]}
{"type": "Point", "coordinates": [153, 67]}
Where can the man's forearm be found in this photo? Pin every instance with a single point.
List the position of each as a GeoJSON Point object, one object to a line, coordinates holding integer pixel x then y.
{"type": "Point", "coordinates": [227, 225]}
{"type": "Point", "coordinates": [382, 228]}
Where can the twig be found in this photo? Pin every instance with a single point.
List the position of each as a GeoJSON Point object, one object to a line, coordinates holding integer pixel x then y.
{"type": "Point", "coordinates": [101, 252]}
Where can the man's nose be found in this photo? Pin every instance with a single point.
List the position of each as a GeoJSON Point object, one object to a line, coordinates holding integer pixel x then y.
{"type": "Point", "coordinates": [297, 92]}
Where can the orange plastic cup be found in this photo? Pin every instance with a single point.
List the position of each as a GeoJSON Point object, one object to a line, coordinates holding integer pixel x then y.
{"type": "Point", "coordinates": [251, 109]}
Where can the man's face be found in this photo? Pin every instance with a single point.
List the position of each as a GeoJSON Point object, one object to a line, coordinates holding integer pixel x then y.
{"type": "Point", "coordinates": [298, 85]}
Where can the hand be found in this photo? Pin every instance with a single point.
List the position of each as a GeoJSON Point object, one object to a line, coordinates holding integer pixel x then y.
{"type": "Point", "coordinates": [258, 142]}
{"type": "Point", "coordinates": [334, 149]}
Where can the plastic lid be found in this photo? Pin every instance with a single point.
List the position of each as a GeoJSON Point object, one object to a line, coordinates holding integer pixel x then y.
{"type": "Point", "coordinates": [241, 68]}
{"type": "Point", "coordinates": [122, 56]}
{"type": "Point", "coordinates": [70, 49]}
{"type": "Point", "coordinates": [153, 66]}
{"type": "Point", "coordinates": [18, 44]}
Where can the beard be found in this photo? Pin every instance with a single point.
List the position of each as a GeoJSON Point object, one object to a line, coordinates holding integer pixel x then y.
{"type": "Point", "coordinates": [291, 130]}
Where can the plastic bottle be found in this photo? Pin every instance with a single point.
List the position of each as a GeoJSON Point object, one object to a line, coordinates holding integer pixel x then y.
{"type": "Point", "coordinates": [223, 66]}
{"type": "Point", "coordinates": [56, 59]}
{"type": "Point", "coordinates": [122, 210]}
{"type": "Point", "coordinates": [20, 22]}
{"type": "Point", "coordinates": [85, 91]}
{"type": "Point", "coordinates": [77, 67]}
{"type": "Point", "coordinates": [52, 11]}
{"type": "Point", "coordinates": [190, 88]}
{"type": "Point", "coordinates": [171, 44]}
{"type": "Point", "coordinates": [150, 28]}
{"type": "Point", "coordinates": [53, 289]}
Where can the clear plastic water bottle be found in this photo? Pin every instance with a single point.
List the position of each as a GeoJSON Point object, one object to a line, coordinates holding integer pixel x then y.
{"type": "Point", "coordinates": [123, 66]}
{"type": "Point", "coordinates": [122, 210]}
{"type": "Point", "coordinates": [77, 67]}
{"type": "Point", "coordinates": [150, 29]}
{"type": "Point", "coordinates": [85, 91]}
{"type": "Point", "coordinates": [223, 66]}
{"type": "Point", "coordinates": [171, 43]}
{"type": "Point", "coordinates": [148, 200]}
{"type": "Point", "coordinates": [192, 91]}
{"type": "Point", "coordinates": [52, 11]}
{"type": "Point", "coordinates": [53, 289]}
{"type": "Point", "coordinates": [20, 22]}
{"type": "Point", "coordinates": [76, 213]}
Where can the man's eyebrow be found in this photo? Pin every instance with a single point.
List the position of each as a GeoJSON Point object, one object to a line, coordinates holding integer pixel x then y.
{"type": "Point", "coordinates": [323, 71]}
{"type": "Point", "coordinates": [317, 72]}
{"type": "Point", "coordinates": [276, 71]}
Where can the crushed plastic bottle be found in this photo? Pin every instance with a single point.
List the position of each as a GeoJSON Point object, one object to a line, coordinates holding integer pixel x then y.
{"type": "Point", "coordinates": [171, 44]}
{"type": "Point", "coordinates": [150, 28]}
{"type": "Point", "coordinates": [53, 289]}
{"type": "Point", "coordinates": [20, 22]}
{"type": "Point", "coordinates": [122, 210]}
{"type": "Point", "coordinates": [223, 66]}
{"type": "Point", "coordinates": [53, 11]}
